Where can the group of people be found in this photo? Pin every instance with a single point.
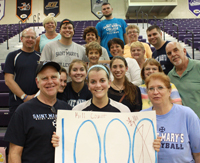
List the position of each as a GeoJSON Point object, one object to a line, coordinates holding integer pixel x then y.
{"type": "Point", "coordinates": [69, 76]}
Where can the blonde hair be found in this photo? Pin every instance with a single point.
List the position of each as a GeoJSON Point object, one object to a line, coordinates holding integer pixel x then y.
{"type": "Point", "coordinates": [132, 27]}
{"type": "Point", "coordinates": [48, 19]}
{"type": "Point", "coordinates": [137, 44]}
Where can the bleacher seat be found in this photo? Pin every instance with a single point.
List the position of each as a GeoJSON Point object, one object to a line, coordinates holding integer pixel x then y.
{"type": "Point", "coordinates": [4, 97]}
{"type": "Point", "coordinates": [196, 44]}
{"type": "Point", "coordinates": [2, 142]}
{"type": "Point", "coordinates": [3, 87]}
{"type": "Point", "coordinates": [183, 36]}
{"type": "Point", "coordinates": [4, 118]}
{"type": "Point", "coordinates": [1, 75]}
{"type": "Point", "coordinates": [2, 66]}
{"type": "Point", "coordinates": [190, 38]}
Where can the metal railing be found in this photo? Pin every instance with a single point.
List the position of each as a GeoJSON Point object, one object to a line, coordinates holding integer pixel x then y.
{"type": "Point", "coordinates": [177, 32]}
{"type": "Point", "coordinates": [38, 17]}
{"type": "Point", "coordinates": [20, 30]}
{"type": "Point", "coordinates": [142, 17]}
{"type": "Point", "coordinates": [34, 20]}
{"type": "Point", "coordinates": [147, 19]}
{"type": "Point", "coordinates": [7, 35]}
{"type": "Point", "coordinates": [192, 41]}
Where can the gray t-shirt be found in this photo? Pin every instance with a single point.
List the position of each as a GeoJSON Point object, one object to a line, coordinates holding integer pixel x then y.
{"type": "Point", "coordinates": [63, 54]}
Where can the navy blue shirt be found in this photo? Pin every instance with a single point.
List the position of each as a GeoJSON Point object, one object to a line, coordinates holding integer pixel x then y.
{"type": "Point", "coordinates": [73, 98]}
{"type": "Point", "coordinates": [31, 127]}
{"type": "Point", "coordinates": [23, 66]}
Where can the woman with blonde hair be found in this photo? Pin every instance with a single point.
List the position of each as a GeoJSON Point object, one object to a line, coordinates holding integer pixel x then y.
{"type": "Point", "coordinates": [138, 52]}
{"type": "Point", "coordinates": [49, 24]}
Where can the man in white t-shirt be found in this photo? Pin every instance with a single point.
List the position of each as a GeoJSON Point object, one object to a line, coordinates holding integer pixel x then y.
{"type": "Point", "coordinates": [64, 51]}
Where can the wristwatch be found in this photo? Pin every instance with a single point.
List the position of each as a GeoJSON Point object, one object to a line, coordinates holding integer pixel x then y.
{"type": "Point", "coordinates": [22, 97]}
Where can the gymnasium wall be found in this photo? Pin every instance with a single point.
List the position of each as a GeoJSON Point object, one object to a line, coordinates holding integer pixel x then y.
{"type": "Point", "coordinates": [81, 10]}
{"type": "Point", "coordinates": [181, 11]}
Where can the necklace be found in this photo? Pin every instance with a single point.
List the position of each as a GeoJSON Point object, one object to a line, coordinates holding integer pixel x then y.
{"type": "Point", "coordinates": [120, 89]}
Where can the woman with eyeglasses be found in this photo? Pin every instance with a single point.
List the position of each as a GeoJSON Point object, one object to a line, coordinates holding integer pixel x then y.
{"type": "Point", "coordinates": [149, 67]}
{"type": "Point", "coordinates": [133, 32]}
{"type": "Point", "coordinates": [178, 125]}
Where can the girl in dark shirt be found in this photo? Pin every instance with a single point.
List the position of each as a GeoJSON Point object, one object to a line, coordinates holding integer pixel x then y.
{"type": "Point", "coordinates": [77, 91]}
{"type": "Point", "coordinates": [121, 89]}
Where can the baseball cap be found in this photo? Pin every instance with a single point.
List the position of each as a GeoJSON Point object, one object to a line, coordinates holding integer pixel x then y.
{"type": "Point", "coordinates": [42, 65]}
{"type": "Point", "coordinates": [66, 21]}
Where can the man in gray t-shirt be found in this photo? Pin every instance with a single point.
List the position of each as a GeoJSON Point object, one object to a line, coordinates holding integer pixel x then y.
{"type": "Point", "coordinates": [63, 51]}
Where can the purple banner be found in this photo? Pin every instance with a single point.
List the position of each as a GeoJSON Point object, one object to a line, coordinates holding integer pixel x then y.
{"type": "Point", "coordinates": [194, 6]}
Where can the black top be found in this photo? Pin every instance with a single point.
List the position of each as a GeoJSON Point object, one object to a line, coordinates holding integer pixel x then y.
{"type": "Point", "coordinates": [116, 95]}
{"type": "Point", "coordinates": [23, 66]}
{"type": "Point", "coordinates": [31, 127]}
{"type": "Point", "coordinates": [112, 106]}
{"type": "Point", "coordinates": [73, 98]}
{"type": "Point", "coordinates": [161, 56]}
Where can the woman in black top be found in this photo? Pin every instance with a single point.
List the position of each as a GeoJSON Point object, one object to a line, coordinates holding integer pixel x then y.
{"type": "Point", "coordinates": [121, 89]}
{"type": "Point", "coordinates": [77, 91]}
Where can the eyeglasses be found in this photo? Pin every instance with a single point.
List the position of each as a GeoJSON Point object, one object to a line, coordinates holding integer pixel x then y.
{"type": "Point", "coordinates": [28, 37]}
{"type": "Point", "coordinates": [159, 89]}
{"type": "Point", "coordinates": [133, 32]}
{"type": "Point", "coordinates": [53, 110]}
{"type": "Point", "coordinates": [148, 69]}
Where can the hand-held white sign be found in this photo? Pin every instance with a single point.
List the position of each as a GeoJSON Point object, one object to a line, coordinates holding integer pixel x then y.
{"type": "Point", "coordinates": [101, 137]}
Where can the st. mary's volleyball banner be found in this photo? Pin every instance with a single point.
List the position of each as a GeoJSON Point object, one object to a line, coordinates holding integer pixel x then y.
{"type": "Point", "coordinates": [23, 9]}
{"type": "Point", "coordinates": [194, 6]}
{"type": "Point", "coordinates": [51, 7]}
{"type": "Point", "coordinates": [2, 8]}
{"type": "Point", "coordinates": [96, 7]}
